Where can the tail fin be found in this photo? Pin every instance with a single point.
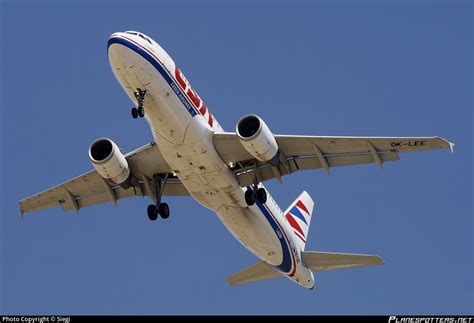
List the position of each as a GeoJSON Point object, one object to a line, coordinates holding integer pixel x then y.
{"type": "Point", "coordinates": [299, 216]}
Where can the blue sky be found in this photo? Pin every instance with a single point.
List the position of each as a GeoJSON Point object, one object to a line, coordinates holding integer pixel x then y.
{"type": "Point", "coordinates": [343, 68]}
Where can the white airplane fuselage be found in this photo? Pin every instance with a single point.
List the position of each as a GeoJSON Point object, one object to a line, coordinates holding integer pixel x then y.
{"type": "Point", "coordinates": [183, 129]}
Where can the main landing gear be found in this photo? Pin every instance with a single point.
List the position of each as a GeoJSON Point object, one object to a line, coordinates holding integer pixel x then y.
{"type": "Point", "coordinates": [162, 209]}
{"type": "Point", "coordinates": [159, 208]}
{"type": "Point", "coordinates": [255, 193]}
{"type": "Point", "coordinates": [259, 194]}
{"type": "Point", "coordinates": [140, 97]}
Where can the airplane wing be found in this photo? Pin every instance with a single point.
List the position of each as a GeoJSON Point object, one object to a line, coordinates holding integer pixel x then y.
{"type": "Point", "coordinates": [313, 152]}
{"type": "Point", "coordinates": [91, 188]}
{"type": "Point", "coordinates": [322, 261]}
{"type": "Point", "coordinates": [253, 273]}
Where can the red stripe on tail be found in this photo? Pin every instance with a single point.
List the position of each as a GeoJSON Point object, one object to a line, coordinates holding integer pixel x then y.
{"type": "Point", "coordinates": [294, 224]}
{"type": "Point", "coordinates": [302, 206]}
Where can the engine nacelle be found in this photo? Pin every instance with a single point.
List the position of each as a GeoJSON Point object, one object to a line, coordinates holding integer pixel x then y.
{"type": "Point", "coordinates": [109, 161]}
{"type": "Point", "coordinates": [256, 138]}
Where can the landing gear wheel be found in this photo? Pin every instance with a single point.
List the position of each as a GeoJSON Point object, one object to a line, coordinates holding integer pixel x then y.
{"type": "Point", "coordinates": [249, 197]}
{"type": "Point", "coordinates": [134, 113]}
{"type": "Point", "coordinates": [262, 195]}
{"type": "Point", "coordinates": [152, 212]}
{"type": "Point", "coordinates": [164, 210]}
{"type": "Point", "coordinates": [159, 208]}
{"type": "Point", "coordinates": [141, 111]}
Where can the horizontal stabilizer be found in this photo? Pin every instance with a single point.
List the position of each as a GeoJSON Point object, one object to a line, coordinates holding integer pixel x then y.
{"type": "Point", "coordinates": [253, 273]}
{"type": "Point", "coordinates": [321, 261]}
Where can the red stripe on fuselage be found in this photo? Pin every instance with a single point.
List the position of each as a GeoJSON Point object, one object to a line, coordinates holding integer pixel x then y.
{"type": "Point", "coordinates": [211, 120]}
{"type": "Point", "coordinates": [170, 74]}
{"type": "Point", "coordinates": [203, 109]}
{"type": "Point", "coordinates": [179, 78]}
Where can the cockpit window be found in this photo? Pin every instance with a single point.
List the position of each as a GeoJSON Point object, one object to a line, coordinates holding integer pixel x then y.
{"type": "Point", "coordinates": [140, 35]}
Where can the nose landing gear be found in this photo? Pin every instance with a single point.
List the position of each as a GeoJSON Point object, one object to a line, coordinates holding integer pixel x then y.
{"type": "Point", "coordinates": [140, 97]}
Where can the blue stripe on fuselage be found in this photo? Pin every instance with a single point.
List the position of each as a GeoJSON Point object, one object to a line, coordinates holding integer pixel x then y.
{"type": "Point", "coordinates": [286, 263]}
{"type": "Point", "coordinates": [189, 107]}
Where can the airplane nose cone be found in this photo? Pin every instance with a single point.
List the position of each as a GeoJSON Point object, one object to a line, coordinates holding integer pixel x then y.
{"type": "Point", "coordinates": [118, 33]}
{"type": "Point", "coordinates": [113, 39]}
{"type": "Point", "coordinates": [118, 53]}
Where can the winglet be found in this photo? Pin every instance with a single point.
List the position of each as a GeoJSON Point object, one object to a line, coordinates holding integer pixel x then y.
{"type": "Point", "coordinates": [451, 146]}
{"type": "Point", "coordinates": [22, 213]}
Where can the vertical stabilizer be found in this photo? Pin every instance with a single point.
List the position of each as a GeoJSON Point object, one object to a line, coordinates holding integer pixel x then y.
{"type": "Point", "coordinates": [299, 216]}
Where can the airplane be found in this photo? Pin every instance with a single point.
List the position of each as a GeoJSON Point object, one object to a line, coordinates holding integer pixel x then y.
{"type": "Point", "coordinates": [223, 171]}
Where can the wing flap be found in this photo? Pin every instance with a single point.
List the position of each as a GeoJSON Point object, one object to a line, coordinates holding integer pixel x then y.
{"type": "Point", "coordinates": [100, 197]}
{"type": "Point", "coordinates": [172, 188]}
{"type": "Point", "coordinates": [87, 184]}
{"type": "Point", "coordinates": [246, 178]}
{"type": "Point", "coordinates": [313, 152]}
{"type": "Point", "coordinates": [322, 261]}
{"type": "Point", "coordinates": [90, 188]}
{"type": "Point", "coordinates": [303, 145]}
{"type": "Point", "coordinates": [256, 272]}
{"type": "Point", "coordinates": [304, 163]}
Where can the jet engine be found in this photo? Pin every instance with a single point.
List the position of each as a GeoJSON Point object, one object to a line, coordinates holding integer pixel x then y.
{"type": "Point", "coordinates": [109, 162]}
{"type": "Point", "coordinates": [256, 138]}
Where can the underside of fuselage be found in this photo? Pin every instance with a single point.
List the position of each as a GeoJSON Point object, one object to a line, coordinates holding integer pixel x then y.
{"type": "Point", "coordinates": [184, 137]}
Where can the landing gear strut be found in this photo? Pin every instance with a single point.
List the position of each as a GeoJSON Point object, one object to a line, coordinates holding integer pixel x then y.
{"type": "Point", "coordinates": [159, 208]}
{"type": "Point", "coordinates": [140, 97]}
